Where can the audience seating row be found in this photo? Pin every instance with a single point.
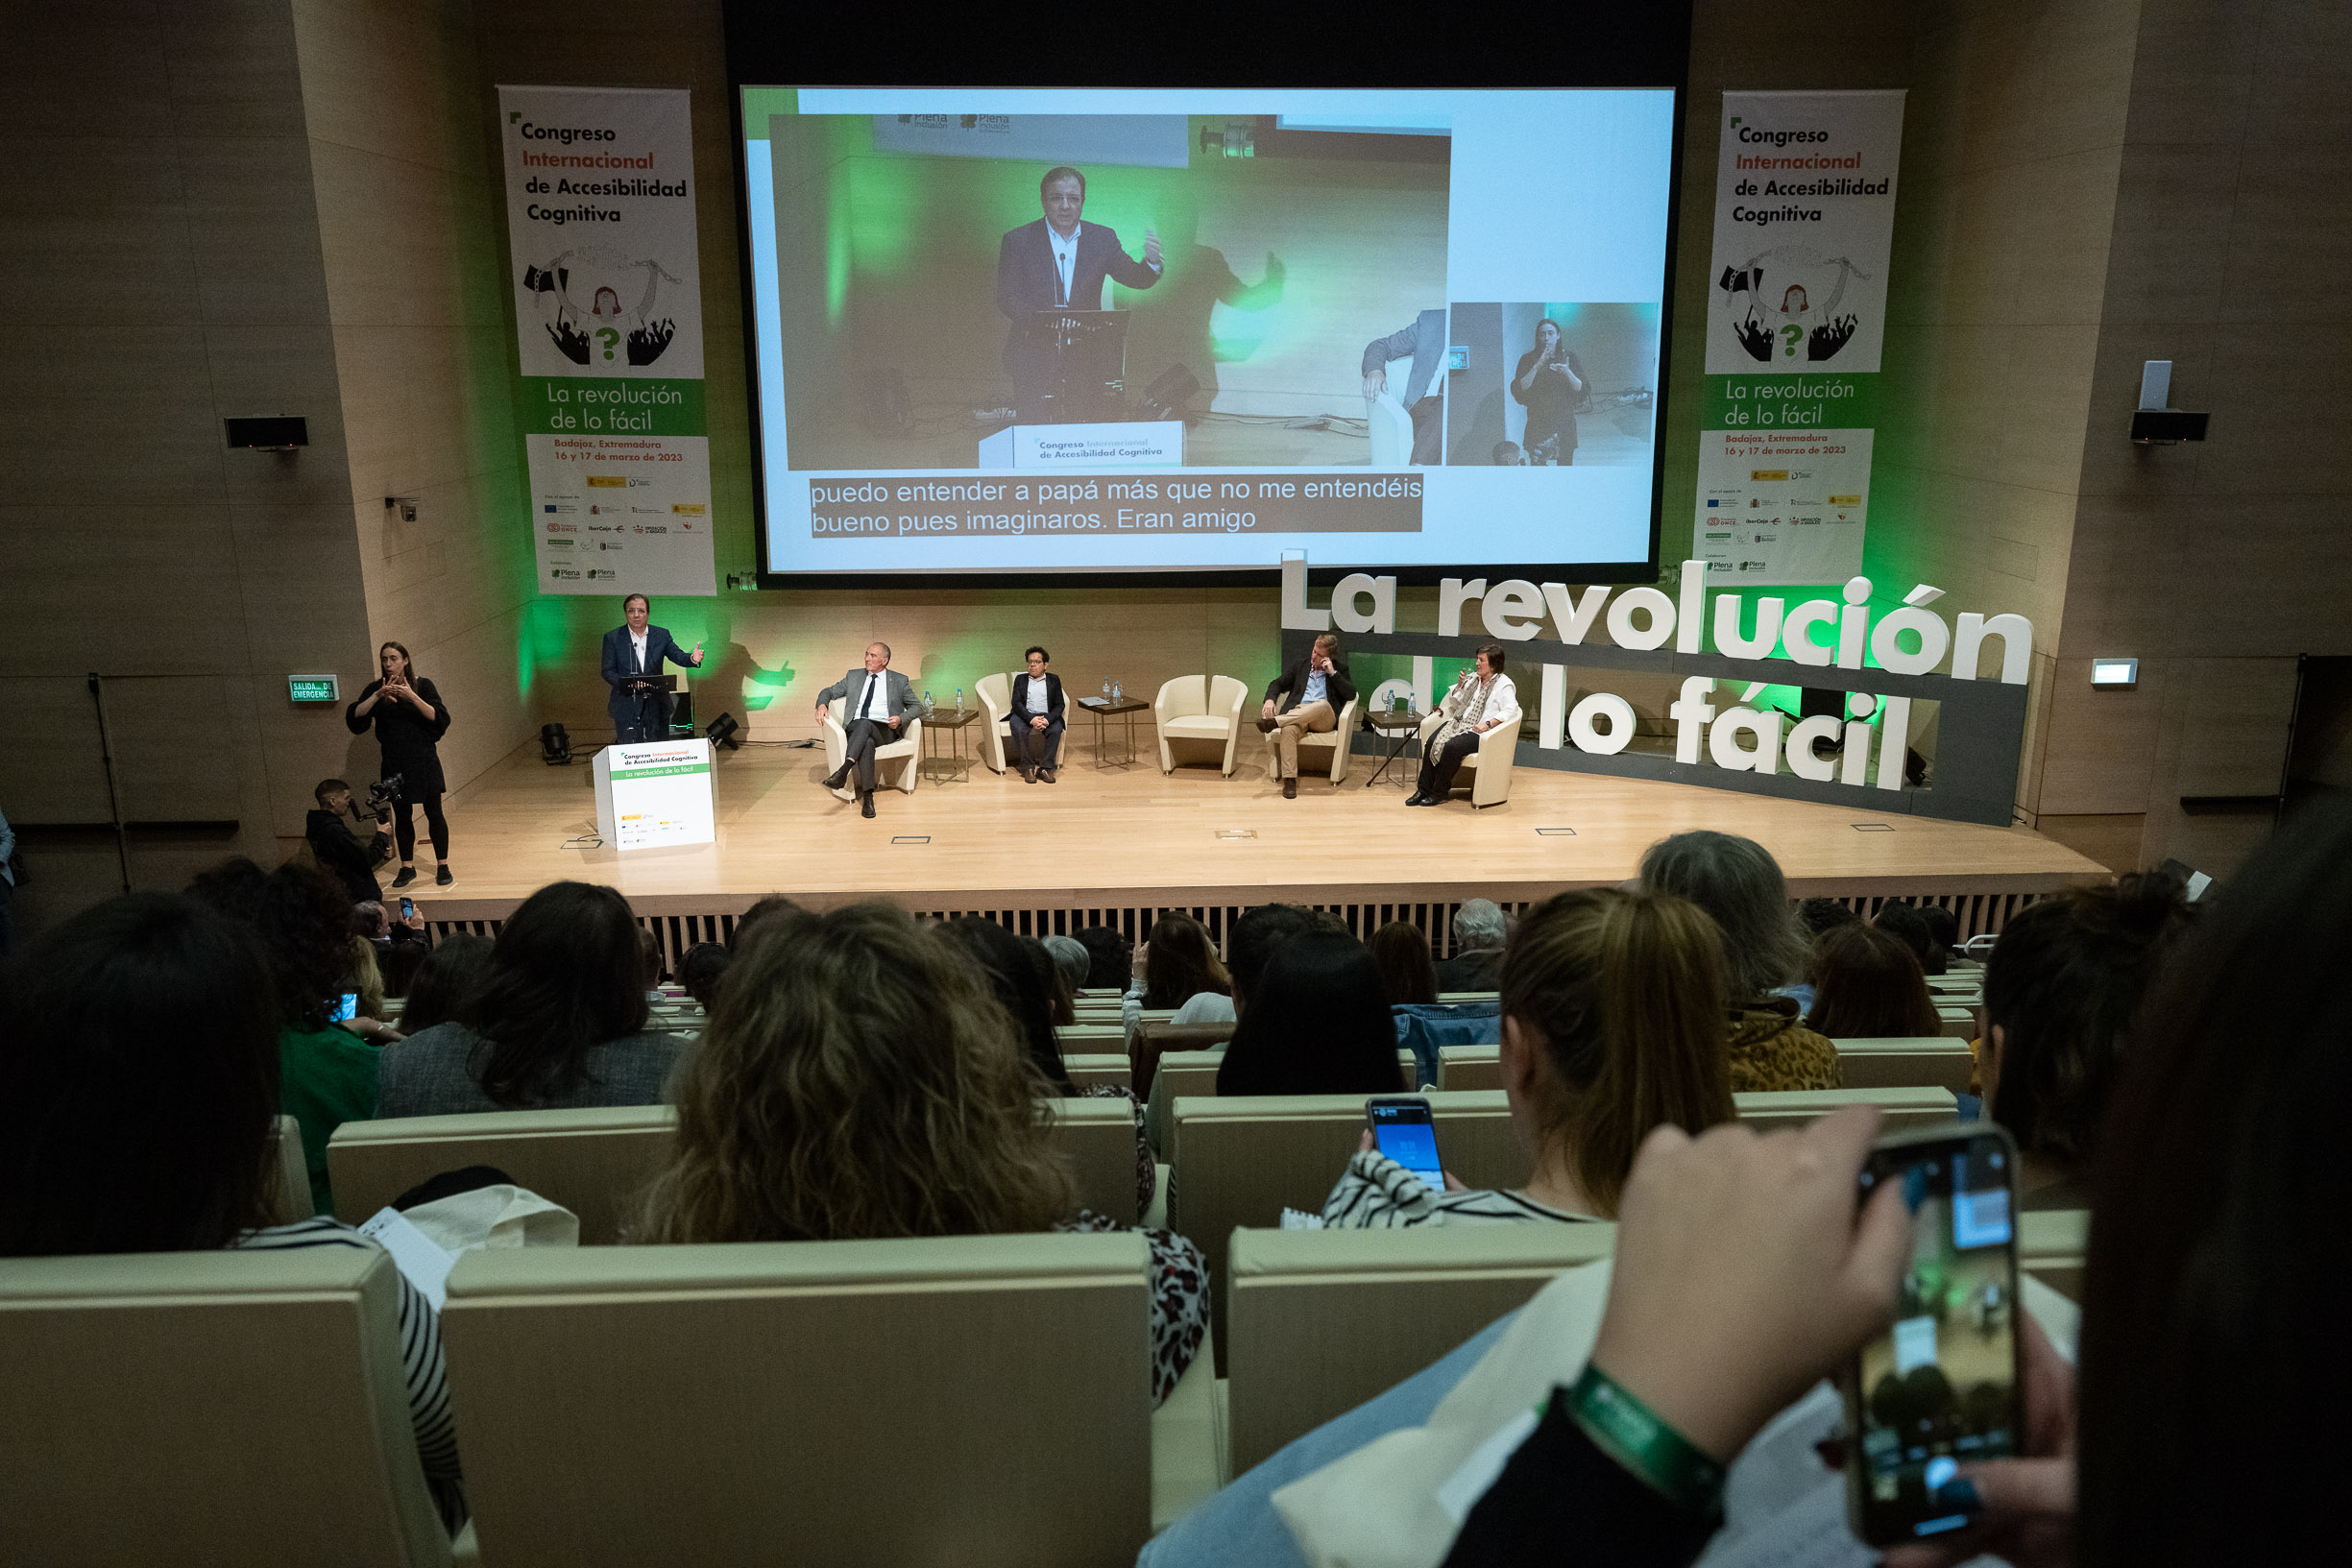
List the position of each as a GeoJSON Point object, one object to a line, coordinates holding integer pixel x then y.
{"type": "Point", "coordinates": [625, 1404]}
{"type": "Point", "coordinates": [597, 1162]}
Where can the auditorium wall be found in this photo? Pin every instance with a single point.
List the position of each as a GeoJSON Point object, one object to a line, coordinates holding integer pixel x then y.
{"type": "Point", "coordinates": [405, 187]}
{"type": "Point", "coordinates": [161, 268]}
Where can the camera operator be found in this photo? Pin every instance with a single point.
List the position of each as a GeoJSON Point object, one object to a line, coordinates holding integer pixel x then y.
{"type": "Point", "coordinates": [342, 853]}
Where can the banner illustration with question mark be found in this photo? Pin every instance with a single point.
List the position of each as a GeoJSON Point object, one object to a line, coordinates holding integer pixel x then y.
{"type": "Point", "coordinates": [1805, 219]}
{"type": "Point", "coordinates": [608, 320]}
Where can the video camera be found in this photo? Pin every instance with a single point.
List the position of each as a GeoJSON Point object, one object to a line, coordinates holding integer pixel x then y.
{"type": "Point", "coordinates": [383, 791]}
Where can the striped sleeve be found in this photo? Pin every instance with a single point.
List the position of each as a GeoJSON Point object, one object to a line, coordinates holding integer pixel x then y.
{"type": "Point", "coordinates": [1378, 1194]}
{"type": "Point", "coordinates": [421, 1359]}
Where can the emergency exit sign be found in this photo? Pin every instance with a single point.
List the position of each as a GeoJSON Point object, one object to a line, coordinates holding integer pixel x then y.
{"type": "Point", "coordinates": [312, 689]}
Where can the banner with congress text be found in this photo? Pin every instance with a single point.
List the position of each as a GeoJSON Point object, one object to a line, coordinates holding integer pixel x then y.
{"type": "Point", "coordinates": [608, 316]}
{"type": "Point", "coordinates": [1796, 314]}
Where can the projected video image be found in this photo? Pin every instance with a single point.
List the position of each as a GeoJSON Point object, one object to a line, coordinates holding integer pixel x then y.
{"type": "Point", "coordinates": [1083, 330]}
{"type": "Point", "coordinates": [947, 275]}
{"type": "Point", "coordinates": [1552, 385]}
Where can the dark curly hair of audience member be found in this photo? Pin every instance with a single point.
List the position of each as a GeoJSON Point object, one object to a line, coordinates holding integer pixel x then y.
{"type": "Point", "coordinates": [2061, 990]}
{"type": "Point", "coordinates": [1108, 969]}
{"type": "Point", "coordinates": [699, 968]}
{"type": "Point", "coordinates": [304, 922]}
{"type": "Point", "coordinates": [1904, 923]}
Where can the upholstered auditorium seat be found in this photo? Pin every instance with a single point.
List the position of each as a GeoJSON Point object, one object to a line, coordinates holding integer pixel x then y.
{"type": "Point", "coordinates": [1936, 1061]}
{"type": "Point", "coordinates": [1321, 1320]}
{"type": "Point", "coordinates": [1486, 770]}
{"type": "Point", "coordinates": [898, 764]}
{"type": "Point", "coordinates": [290, 1197]}
{"type": "Point", "coordinates": [1199, 716]}
{"type": "Point", "coordinates": [242, 1408]}
{"type": "Point", "coordinates": [1333, 740]}
{"type": "Point", "coordinates": [970, 1399]}
{"type": "Point", "coordinates": [597, 1162]}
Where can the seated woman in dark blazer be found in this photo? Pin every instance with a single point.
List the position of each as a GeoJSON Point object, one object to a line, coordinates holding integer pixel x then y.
{"type": "Point", "coordinates": [1036, 720]}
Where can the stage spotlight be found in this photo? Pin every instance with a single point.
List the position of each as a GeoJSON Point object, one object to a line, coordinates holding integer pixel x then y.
{"type": "Point", "coordinates": [554, 745]}
{"type": "Point", "coordinates": [1164, 396]}
{"type": "Point", "coordinates": [721, 732]}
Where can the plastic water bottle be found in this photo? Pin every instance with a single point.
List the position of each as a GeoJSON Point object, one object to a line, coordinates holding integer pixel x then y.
{"type": "Point", "coordinates": [960, 699]}
{"type": "Point", "coordinates": [1115, 698]}
{"type": "Point", "coordinates": [926, 708]}
{"type": "Point", "coordinates": [1106, 693]}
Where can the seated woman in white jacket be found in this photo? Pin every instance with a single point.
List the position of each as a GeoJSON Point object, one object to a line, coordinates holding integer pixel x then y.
{"type": "Point", "coordinates": [1483, 699]}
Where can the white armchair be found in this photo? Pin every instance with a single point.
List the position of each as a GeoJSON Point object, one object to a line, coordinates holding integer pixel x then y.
{"type": "Point", "coordinates": [898, 764]}
{"type": "Point", "coordinates": [995, 693]}
{"type": "Point", "coordinates": [1488, 769]}
{"type": "Point", "coordinates": [1333, 740]}
{"type": "Point", "coordinates": [1199, 713]}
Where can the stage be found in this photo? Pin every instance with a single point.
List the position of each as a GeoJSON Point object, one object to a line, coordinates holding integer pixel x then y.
{"type": "Point", "coordinates": [1111, 845]}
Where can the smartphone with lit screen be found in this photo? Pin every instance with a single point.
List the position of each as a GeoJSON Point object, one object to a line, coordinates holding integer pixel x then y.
{"type": "Point", "coordinates": [408, 907]}
{"type": "Point", "coordinates": [1940, 1387]}
{"type": "Point", "coordinates": [346, 1008]}
{"type": "Point", "coordinates": [1403, 1130]}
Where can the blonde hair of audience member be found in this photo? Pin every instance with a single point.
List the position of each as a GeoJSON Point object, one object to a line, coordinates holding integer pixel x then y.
{"type": "Point", "coordinates": [367, 980]}
{"type": "Point", "coordinates": [857, 1078]}
{"type": "Point", "coordinates": [1613, 1025]}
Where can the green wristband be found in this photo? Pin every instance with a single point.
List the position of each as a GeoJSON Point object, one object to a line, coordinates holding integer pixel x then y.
{"type": "Point", "coordinates": [1632, 1433]}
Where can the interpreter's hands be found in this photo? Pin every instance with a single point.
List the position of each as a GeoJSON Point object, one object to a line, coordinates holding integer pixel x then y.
{"type": "Point", "coordinates": [1376, 383]}
{"type": "Point", "coordinates": [2028, 1502]}
{"type": "Point", "coordinates": [1150, 246]}
{"type": "Point", "coordinates": [1742, 1274]}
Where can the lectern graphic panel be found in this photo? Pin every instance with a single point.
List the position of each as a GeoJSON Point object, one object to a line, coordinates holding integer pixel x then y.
{"type": "Point", "coordinates": [655, 792]}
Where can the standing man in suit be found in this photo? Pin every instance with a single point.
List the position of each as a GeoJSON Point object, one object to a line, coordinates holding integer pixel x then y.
{"type": "Point", "coordinates": [633, 655]}
{"type": "Point", "coordinates": [879, 702]}
{"type": "Point", "coordinates": [1037, 718]}
{"type": "Point", "coordinates": [1422, 394]}
{"type": "Point", "coordinates": [1058, 260]}
{"type": "Point", "coordinates": [1304, 699]}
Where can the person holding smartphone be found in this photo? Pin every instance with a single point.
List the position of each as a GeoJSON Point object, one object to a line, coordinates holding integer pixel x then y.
{"type": "Point", "coordinates": [1612, 1023]}
{"type": "Point", "coordinates": [1304, 699]}
{"type": "Point", "coordinates": [409, 718]}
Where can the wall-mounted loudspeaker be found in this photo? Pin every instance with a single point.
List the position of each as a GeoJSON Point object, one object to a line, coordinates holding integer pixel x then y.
{"type": "Point", "coordinates": [276, 432]}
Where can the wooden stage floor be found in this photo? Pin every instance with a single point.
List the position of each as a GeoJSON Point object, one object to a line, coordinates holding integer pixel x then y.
{"type": "Point", "coordinates": [1135, 840]}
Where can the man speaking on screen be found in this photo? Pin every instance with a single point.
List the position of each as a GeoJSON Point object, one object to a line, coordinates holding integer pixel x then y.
{"type": "Point", "coordinates": [1058, 260]}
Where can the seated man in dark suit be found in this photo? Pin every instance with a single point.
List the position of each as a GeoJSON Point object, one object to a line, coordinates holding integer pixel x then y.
{"type": "Point", "coordinates": [1311, 692]}
{"type": "Point", "coordinates": [1036, 720]}
{"type": "Point", "coordinates": [878, 701]}
{"type": "Point", "coordinates": [633, 655]}
{"type": "Point", "coordinates": [1422, 394]}
{"type": "Point", "coordinates": [1058, 260]}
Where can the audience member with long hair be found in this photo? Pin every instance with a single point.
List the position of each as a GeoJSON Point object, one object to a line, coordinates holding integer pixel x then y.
{"type": "Point", "coordinates": [1317, 1023]}
{"type": "Point", "coordinates": [327, 1074]}
{"type": "Point", "coordinates": [557, 1019]}
{"type": "Point", "coordinates": [1867, 986]}
{"type": "Point", "coordinates": [444, 980]}
{"type": "Point", "coordinates": [860, 1078]}
{"type": "Point", "coordinates": [2061, 990]}
{"type": "Point", "coordinates": [1176, 968]}
{"type": "Point", "coordinates": [1613, 1025]}
{"type": "Point", "coordinates": [1740, 884]}
{"type": "Point", "coordinates": [1022, 989]}
{"type": "Point", "coordinates": [140, 1044]}
{"type": "Point", "coordinates": [2203, 1425]}
{"type": "Point", "coordinates": [1401, 950]}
